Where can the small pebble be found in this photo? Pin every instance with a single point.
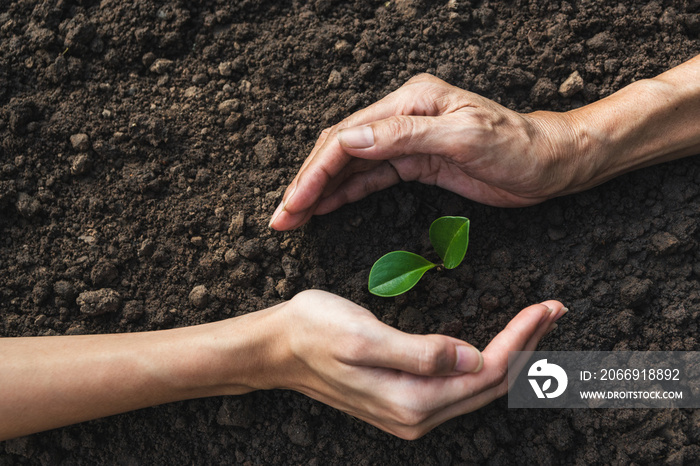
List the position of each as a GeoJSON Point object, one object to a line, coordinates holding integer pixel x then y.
{"type": "Point", "coordinates": [237, 225]}
{"type": "Point", "coordinates": [225, 69]}
{"type": "Point", "coordinates": [27, 205]}
{"type": "Point", "coordinates": [81, 164]}
{"type": "Point", "coordinates": [572, 85]}
{"type": "Point", "coordinates": [229, 106]}
{"type": "Point", "coordinates": [161, 66]}
{"type": "Point", "coordinates": [200, 78]}
{"type": "Point", "coordinates": [98, 302]}
{"type": "Point", "coordinates": [199, 296]}
{"type": "Point", "coordinates": [80, 142]}
{"type": "Point", "coordinates": [335, 79]}
{"type": "Point", "coordinates": [231, 257]}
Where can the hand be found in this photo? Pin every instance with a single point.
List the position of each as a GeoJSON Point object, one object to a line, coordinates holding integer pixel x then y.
{"type": "Point", "coordinates": [435, 133]}
{"type": "Point", "coordinates": [339, 353]}
{"type": "Point", "coordinates": [317, 343]}
{"type": "Point", "coordinates": [432, 132]}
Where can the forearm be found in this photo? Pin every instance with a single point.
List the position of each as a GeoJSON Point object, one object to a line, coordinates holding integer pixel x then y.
{"type": "Point", "coordinates": [648, 122]}
{"type": "Point", "coordinates": [48, 382]}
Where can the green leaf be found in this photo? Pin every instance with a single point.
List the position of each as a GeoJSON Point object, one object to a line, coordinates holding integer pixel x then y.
{"type": "Point", "coordinates": [450, 238]}
{"type": "Point", "coordinates": [397, 272]}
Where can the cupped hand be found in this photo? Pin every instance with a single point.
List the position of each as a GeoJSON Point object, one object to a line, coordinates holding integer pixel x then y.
{"type": "Point", "coordinates": [340, 354]}
{"type": "Point", "coordinates": [435, 133]}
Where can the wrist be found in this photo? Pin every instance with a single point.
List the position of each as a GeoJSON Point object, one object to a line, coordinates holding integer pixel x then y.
{"type": "Point", "coordinates": [559, 146]}
{"type": "Point", "coordinates": [648, 122]}
{"type": "Point", "coordinates": [233, 356]}
{"type": "Point", "coordinates": [610, 135]}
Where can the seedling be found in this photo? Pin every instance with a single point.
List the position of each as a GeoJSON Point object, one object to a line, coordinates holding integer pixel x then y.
{"type": "Point", "coordinates": [399, 271]}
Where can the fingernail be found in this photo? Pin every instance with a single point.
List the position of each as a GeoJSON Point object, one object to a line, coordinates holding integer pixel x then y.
{"type": "Point", "coordinates": [292, 190]}
{"type": "Point", "coordinates": [360, 137]}
{"type": "Point", "coordinates": [469, 359]}
{"type": "Point", "coordinates": [280, 208]}
{"type": "Point", "coordinates": [551, 328]}
{"type": "Point", "coordinates": [561, 313]}
{"type": "Point", "coordinates": [546, 315]}
{"type": "Point", "coordinates": [276, 214]}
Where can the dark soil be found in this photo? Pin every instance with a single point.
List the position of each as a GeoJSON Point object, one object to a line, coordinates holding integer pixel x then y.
{"type": "Point", "coordinates": [197, 114]}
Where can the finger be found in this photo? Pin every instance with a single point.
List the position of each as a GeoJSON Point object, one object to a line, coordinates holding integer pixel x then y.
{"type": "Point", "coordinates": [442, 398]}
{"type": "Point", "coordinates": [544, 326]}
{"type": "Point", "coordinates": [532, 321]}
{"type": "Point", "coordinates": [427, 355]}
{"type": "Point", "coordinates": [543, 329]}
{"type": "Point", "coordinates": [328, 167]}
{"type": "Point", "coordinates": [449, 135]}
{"type": "Point", "coordinates": [521, 329]}
{"type": "Point", "coordinates": [328, 158]}
{"type": "Point", "coordinates": [358, 186]}
{"type": "Point", "coordinates": [281, 219]}
{"type": "Point", "coordinates": [322, 138]}
{"type": "Point", "coordinates": [286, 219]}
{"type": "Point", "coordinates": [472, 397]}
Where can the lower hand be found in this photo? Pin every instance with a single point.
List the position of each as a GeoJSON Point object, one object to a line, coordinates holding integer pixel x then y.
{"type": "Point", "coordinates": [340, 354]}
{"type": "Point", "coordinates": [435, 133]}
{"type": "Point", "coordinates": [317, 343]}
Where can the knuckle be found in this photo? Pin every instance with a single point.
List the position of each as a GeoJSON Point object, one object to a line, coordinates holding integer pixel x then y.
{"type": "Point", "coordinates": [409, 417]}
{"type": "Point", "coordinates": [433, 358]}
{"type": "Point", "coordinates": [354, 342]}
{"type": "Point", "coordinates": [422, 78]}
{"type": "Point", "coordinates": [370, 184]}
{"type": "Point", "coordinates": [342, 196]}
{"type": "Point", "coordinates": [400, 128]}
{"type": "Point", "coordinates": [300, 299]}
{"type": "Point", "coordinates": [307, 298]}
{"type": "Point", "coordinates": [499, 376]}
{"type": "Point", "coordinates": [348, 122]}
{"type": "Point", "coordinates": [402, 409]}
{"type": "Point", "coordinates": [410, 433]}
{"type": "Point", "coordinates": [479, 118]}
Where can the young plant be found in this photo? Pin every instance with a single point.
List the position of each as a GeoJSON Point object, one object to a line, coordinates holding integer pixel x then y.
{"type": "Point", "coordinates": [399, 271]}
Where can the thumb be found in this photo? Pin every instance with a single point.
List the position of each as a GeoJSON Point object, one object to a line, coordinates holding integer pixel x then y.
{"type": "Point", "coordinates": [429, 355]}
{"type": "Point", "coordinates": [401, 135]}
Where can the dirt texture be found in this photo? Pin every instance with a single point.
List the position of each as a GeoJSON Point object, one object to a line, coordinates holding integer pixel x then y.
{"type": "Point", "coordinates": [145, 144]}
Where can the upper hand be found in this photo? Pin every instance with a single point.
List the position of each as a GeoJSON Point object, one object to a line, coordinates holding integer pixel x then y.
{"type": "Point", "coordinates": [435, 133]}
{"type": "Point", "coordinates": [340, 354]}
